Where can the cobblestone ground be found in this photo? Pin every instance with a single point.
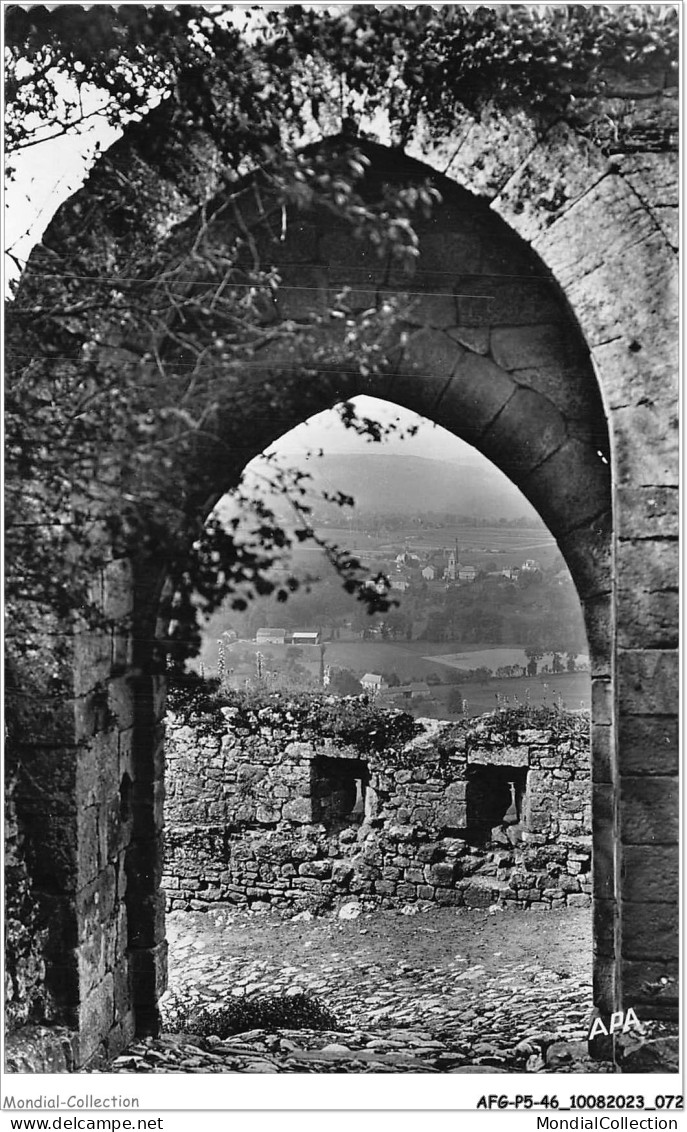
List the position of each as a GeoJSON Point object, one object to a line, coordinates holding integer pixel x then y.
{"type": "Point", "coordinates": [442, 990]}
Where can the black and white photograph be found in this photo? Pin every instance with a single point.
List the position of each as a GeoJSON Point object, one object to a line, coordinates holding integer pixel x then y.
{"type": "Point", "coordinates": [341, 568]}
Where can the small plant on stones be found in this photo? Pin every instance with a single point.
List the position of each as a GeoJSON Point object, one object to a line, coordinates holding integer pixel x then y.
{"type": "Point", "coordinates": [301, 1011]}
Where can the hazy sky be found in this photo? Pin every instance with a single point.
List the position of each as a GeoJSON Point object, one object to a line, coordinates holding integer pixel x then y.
{"type": "Point", "coordinates": [326, 431]}
{"type": "Point", "coordinates": [45, 176]}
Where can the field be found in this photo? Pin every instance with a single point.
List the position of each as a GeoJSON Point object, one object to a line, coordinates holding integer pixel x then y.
{"type": "Point", "coordinates": [416, 660]}
{"type": "Point", "coordinates": [567, 690]}
{"type": "Point", "coordinates": [410, 660]}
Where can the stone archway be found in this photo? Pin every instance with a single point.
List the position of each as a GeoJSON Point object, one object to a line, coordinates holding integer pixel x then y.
{"type": "Point", "coordinates": [532, 385]}
{"type": "Point", "coordinates": [492, 352]}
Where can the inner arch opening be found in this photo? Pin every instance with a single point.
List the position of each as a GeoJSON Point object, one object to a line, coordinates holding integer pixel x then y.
{"type": "Point", "coordinates": [469, 562]}
{"type": "Point", "coordinates": [315, 797]}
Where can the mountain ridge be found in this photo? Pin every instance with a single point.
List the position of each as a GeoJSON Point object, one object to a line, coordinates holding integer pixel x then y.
{"type": "Point", "coordinates": [399, 484]}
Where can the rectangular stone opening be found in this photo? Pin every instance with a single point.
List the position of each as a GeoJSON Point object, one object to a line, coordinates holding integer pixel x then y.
{"type": "Point", "coordinates": [338, 788]}
{"type": "Point", "coordinates": [495, 801]}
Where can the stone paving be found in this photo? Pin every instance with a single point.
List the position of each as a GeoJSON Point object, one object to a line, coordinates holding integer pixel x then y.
{"type": "Point", "coordinates": [425, 993]}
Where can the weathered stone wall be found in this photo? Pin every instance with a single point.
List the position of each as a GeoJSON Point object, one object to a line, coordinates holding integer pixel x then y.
{"type": "Point", "coordinates": [76, 796]}
{"type": "Point", "coordinates": [26, 999]}
{"type": "Point", "coordinates": [249, 816]}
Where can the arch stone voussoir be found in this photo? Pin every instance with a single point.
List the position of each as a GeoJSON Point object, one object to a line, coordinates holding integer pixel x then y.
{"type": "Point", "coordinates": [587, 550]}
{"type": "Point", "coordinates": [581, 487]}
{"type": "Point", "coordinates": [433, 355]}
{"type": "Point", "coordinates": [588, 268]}
{"type": "Point", "coordinates": [528, 431]}
{"type": "Point", "coordinates": [598, 619]}
{"type": "Point", "coordinates": [479, 390]}
{"type": "Point", "coordinates": [560, 170]}
{"type": "Point", "coordinates": [483, 155]}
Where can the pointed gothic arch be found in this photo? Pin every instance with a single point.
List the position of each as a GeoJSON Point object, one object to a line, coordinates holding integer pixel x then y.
{"type": "Point", "coordinates": [522, 338]}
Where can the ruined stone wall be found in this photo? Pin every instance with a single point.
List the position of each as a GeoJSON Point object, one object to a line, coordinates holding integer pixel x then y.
{"type": "Point", "coordinates": [250, 817]}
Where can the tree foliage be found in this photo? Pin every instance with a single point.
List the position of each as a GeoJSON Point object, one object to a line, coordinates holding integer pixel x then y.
{"type": "Point", "coordinates": [118, 377]}
{"type": "Point", "coordinates": [129, 388]}
{"type": "Point", "coordinates": [437, 61]}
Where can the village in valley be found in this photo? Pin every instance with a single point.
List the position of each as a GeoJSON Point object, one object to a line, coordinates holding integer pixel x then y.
{"type": "Point", "coordinates": [489, 618]}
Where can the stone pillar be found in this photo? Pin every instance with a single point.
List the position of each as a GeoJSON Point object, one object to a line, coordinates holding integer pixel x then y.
{"type": "Point", "coordinates": [145, 856]}
{"type": "Point", "coordinates": [70, 729]}
{"type": "Point", "coordinates": [631, 332]}
{"type": "Point", "coordinates": [144, 864]}
{"type": "Point", "coordinates": [103, 673]}
{"type": "Point", "coordinates": [648, 692]}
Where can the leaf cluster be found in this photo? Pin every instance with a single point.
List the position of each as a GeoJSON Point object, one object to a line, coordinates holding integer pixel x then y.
{"type": "Point", "coordinates": [116, 405]}
{"type": "Point", "coordinates": [440, 62]}
{"type": "Point", "coordinates": [288, 67]}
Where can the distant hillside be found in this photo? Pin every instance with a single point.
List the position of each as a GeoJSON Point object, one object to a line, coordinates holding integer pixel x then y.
{"type": "Point", "coordinates": [398, 484]}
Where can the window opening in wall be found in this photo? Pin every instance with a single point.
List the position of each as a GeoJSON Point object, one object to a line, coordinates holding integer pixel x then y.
{"type": "Point", "coordinates": [495, 802]}
{"type": "Point", "coordinates": [338, 788]}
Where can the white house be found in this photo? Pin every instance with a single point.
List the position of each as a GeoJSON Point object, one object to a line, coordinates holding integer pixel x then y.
{"type": "Point", "coordinates": [429, 573]}
{"type": "Point", "coordinates": [406, 559]}
{"type": "Point", "coordinates": [373, 683]}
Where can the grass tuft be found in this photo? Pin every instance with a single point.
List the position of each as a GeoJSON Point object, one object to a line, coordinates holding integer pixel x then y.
{"type": "Point", "coordinates": [301, 1011]}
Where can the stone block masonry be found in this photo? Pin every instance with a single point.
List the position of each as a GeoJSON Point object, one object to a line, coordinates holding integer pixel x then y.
{"type": "Point", "coordinates": [494, 811]}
